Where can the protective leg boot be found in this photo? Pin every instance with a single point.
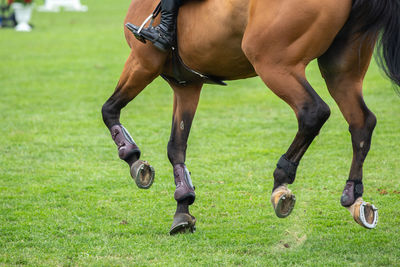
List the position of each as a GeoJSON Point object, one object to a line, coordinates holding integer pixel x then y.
{"type": "Point", "coordinates": [163, 35]}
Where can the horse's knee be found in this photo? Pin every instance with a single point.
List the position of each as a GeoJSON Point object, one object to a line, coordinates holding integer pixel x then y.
{"type": "Point", "coordinates": [111, 109]}
{"type": "Point", "coordinates": [106, 112]}
{"type": "Point", "coordinates": [110, 114]}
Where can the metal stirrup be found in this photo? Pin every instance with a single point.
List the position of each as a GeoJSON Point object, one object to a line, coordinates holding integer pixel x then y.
{"type": "Point", "coordinates": [151, 17]}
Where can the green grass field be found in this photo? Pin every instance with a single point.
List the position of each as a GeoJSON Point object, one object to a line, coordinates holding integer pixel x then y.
{"type": "Point", "coordinates": [67, 200]}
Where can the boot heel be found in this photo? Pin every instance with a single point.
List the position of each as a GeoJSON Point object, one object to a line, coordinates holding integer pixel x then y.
{"type": "Point", "coordinates": [134, 29]}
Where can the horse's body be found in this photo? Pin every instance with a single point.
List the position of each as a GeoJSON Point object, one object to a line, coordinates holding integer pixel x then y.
{"type": "Point", "coordinates": [229, 20]}
{"type": "Point", "coordinates": [231, 63]}
{"type": "Point", "coordinates": [235, 39]}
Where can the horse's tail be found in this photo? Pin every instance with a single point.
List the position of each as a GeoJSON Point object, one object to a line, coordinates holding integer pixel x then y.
{"type": "Point", "coordinates": [381, 17]}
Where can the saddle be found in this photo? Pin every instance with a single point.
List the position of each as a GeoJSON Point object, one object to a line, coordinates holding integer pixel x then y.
{"type": "Point", "coordinates": [181, 73]}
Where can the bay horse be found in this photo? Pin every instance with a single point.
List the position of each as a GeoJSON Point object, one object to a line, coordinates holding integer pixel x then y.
{"type": "Point", "coordinates": [275, 40]}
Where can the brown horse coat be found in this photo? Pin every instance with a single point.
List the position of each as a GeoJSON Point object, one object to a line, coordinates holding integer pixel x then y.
{"type": "Point", "coordinates": [236, 39]}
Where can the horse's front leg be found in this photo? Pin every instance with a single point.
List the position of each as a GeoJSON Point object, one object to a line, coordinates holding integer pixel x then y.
{"type": "Point", "coordinates": [134, 78]}
{"type": "Point", "coordinates": [185, 104]}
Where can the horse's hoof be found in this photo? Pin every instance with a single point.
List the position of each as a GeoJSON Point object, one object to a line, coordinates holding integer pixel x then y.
{"type": "Point", "coordinates": [143, 174]}
{"type": "Point", "coordinates": [364, 213]}
{"type": "Point", "coordinates": [283, 201]}
{"type": "Point", "coordinates": [183, 223]}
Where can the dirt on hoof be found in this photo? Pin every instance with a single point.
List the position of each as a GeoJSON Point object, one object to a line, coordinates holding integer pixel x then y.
{"type": "Point", "coordinates": [143, 174]}
{"type": "Point", "coordinates": [283, 203]}
{"type": "Point", "coordinates": [369, 214]}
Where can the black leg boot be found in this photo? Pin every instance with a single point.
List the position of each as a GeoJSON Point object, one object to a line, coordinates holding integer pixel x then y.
{"type": "Point", "coordinates": [163, 35]}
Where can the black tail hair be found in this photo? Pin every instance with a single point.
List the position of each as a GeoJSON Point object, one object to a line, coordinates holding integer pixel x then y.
{"type": "Point", "coordinates": [381, 17]}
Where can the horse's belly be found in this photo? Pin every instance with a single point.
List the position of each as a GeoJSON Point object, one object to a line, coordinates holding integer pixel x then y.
{"type": "Point", "coordinates": [210, 35]}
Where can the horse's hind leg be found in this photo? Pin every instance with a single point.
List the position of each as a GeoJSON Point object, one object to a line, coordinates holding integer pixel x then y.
{"type": "Point", "coordinates": [311, 111]}
{"type": "Point", "coordinates": [343, 67]}
{"type": "Point", "coordinates": [134, 78]}
{"type": "Point", "coordinates": [280, 42]}
{"type": "Point", "coordinates": [289, 83]}
{"type": "Point", "coordinates": [185, 104]}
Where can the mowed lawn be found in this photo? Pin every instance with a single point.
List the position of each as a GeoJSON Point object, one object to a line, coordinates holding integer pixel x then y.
{"type": "Point", "coordinates": [67, 200]}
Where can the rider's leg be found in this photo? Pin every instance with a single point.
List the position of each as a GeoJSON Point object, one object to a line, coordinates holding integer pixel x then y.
{"type": "Point", "coordinates": [163, 35]}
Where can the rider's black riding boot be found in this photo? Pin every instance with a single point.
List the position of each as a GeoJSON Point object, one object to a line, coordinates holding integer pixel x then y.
{"type": "Point", "coordinates": [163, 35]}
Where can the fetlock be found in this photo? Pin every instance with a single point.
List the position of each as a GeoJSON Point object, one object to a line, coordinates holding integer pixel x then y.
{"type": "Point", "coordinates": [285, 172]}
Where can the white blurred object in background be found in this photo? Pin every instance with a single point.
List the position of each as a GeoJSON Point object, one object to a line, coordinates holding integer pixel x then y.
{"type": "Point", "coordinates": [68, 5]}
{"type": "Point", "coordinates": [23, 13]}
